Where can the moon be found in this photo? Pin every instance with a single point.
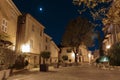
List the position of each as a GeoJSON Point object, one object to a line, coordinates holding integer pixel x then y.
{"type": "Point", "coordinates": [40, 9]}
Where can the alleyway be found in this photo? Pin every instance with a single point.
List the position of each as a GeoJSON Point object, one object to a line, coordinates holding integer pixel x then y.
{"type": "Point", "coordinates": [84, 72]}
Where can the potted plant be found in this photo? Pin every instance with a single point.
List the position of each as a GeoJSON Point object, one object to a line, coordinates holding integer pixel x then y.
{"type": "Point", "coordinates": [7, 60]}
{"type": "Point", "coordinates": [45, 55]}
{"type": "Point", "coordinates": [65, 58]}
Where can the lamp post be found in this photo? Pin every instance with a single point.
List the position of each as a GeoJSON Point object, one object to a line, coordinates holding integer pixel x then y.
{"type": "Point", "coordinates": [108, 47]}
{"type": "Point", "coordinates": [89, 56]}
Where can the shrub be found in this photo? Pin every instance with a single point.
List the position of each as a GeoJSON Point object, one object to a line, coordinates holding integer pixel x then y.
{"type": "Point", "coordinates": [114, 54]}
{"type": "Point", "coordinates": [7, 58]}
{"type": "Point", "coordinates": [20, 62]}
{"type": "Point", "coordinates": [45, 55]}
{"type": "Point", "coordinates": [65, 57]}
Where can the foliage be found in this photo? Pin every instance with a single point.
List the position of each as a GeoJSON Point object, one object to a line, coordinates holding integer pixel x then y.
{"type": "Point", "coordinates": [7, 58]}
{"type": "Point", "coordinates": [4, 39]}
{"type": "Point", "coordinates": [3, 36]}
{"type": "Point", "coordinates": [65, 57]}
{"type": "Point", "coordinates": [45, 55]}
{"type": "Point", "coordinates": [114, 54]}
{"type": "Point", "coordinates": [78, 30]}
{"type": "Point", "coordinates": [20, 62]}
{"type": "Point", "coordinates": [90, 3]}
{"type": "Point", "coordinates": [96, 8]}
{"type": "Point", "coordinates": [113, 14]}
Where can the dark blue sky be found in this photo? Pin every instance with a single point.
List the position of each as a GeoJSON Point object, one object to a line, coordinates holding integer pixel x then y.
{"type": "Point", "coordinates": [55, 15]}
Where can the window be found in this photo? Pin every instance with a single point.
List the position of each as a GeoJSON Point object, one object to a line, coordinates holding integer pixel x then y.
{"type": "Point", "coordinates": [31, 43]}
{"type": "Point", "coordinates": [69, 50]}
{"type": "Point", "coordinates": [46, 39]}
{"type": "Point", "coordinates": [46, 48]}
{"type": "Point", "coordinates": [33, 28]}
{"type": "Point", "coordinates": [4, 25]}
{"type": "Point", "coordinates": [40, 33]}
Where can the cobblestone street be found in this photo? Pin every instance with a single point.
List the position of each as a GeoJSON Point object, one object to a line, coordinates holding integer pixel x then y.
{"type": "Point", "coordinates": [69, 73]}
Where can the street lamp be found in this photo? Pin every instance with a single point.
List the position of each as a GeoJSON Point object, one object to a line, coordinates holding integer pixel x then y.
{"type": "Point", "coordinates": [89, 56]}
{"type": "Point", "coordinates": [108, 47]}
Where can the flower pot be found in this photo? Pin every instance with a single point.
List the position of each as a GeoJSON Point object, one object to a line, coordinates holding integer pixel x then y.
{"type": "Point", "coordinates": [7, 73]}
{"type": "Point", "coordinates": [1, 74]}
{"type": "Point", "coordinates": [44, 67]}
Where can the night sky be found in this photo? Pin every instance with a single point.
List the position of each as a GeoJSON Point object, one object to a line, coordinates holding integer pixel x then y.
{"type": "Point", "coordinates": [53, 14]}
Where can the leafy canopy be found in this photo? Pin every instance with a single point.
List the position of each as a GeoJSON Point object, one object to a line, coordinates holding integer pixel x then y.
{"type": "Point", "coordinates": [78, 30]}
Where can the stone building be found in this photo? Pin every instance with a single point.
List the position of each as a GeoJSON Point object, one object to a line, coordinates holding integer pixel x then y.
{"type": "Point", "coordinates": [49, 45]}
{"type": "Point", "coordinates": [30, 37]}
{"type": "Point", "coordinates": [54, 52]}
{"type": "Point", "coordinates": [83, 54]}
{"type": "Point", "coordinates": [112, 26]}
{"type": "Point", "coordinates": [8, 20]}
{"type": "Point", "coordinates": [68, 51]}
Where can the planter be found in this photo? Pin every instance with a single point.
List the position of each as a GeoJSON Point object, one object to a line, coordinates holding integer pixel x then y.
{"type": "Point", "coordinates": [7, 73]}
{"type": "Point", "coordinates": [2, 74]}
{"type": "Point", "coordinates": [44, 67]}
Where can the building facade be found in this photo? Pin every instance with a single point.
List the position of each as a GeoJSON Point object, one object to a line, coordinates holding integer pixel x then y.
{"type": "Point", "coordinates": [8, 20]}
{"type": "Point", "coordinates": [26, 34]}
{"type": "Point", "coordinates": [68, 51]}
{"type": "Point", "coordinates": [46, 42]}
{"type": "Point", "coordinates": [112, 26]}
{"type": "Point", "coordinates": [54, 52]}
{"type": "Point", "coordinates": [30, 37]}
{"type": "Point", "coordinates": [83, 54]}
{"type": "Point", "coordinates": [50, 46]}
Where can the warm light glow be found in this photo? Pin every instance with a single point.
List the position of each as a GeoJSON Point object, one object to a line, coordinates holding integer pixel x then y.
{"type": "Point", "coordinates": [89, 55]}
{"type": "Point", "coordinates": [13, 48]}
{"type": "Point", "coordinates": [26, 48]}
{"type": "Point", "coordinates": [73, 55]}
{"type": "Point", "coordinates": [108, 46]}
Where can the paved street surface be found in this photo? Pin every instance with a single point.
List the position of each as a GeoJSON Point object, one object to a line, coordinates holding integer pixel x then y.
{"type": "Point", "coordinates": [83, 72]}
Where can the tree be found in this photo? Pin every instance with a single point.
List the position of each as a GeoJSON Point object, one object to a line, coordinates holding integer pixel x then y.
{"type": "Point", "coordinates": [96, 8]}
{"type": "Point", "coordinates": [45, 55]}
{"type": "Point", "coordinates": [113, 15]}
{"type": "Point", "coordinates": [114, 54]}
{"type": "Point", "coordinates": [78, 30]}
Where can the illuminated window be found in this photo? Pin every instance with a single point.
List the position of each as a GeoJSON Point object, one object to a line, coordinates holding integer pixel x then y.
{"type": "Point", "coordinates": [4, 25]}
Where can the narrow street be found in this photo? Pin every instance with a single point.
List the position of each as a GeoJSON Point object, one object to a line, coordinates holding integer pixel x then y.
{"type": "Point", "coordinates": [83, 72]}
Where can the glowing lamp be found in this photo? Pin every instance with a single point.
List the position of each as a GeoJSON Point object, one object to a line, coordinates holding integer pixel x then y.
{"type": "Point", "coordinates": [104, 59]}
{"type": "Point", "coordinates": [108, 46]}
{"type": "Point", "coordinates": [73, 55]}
{"type": "Point", "coordinates": [25, 48]}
